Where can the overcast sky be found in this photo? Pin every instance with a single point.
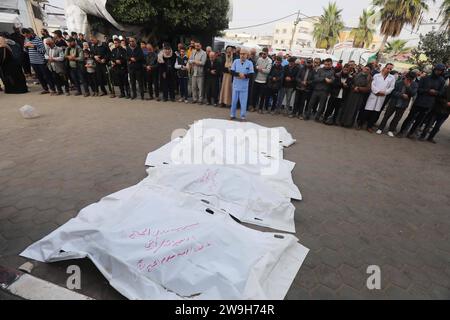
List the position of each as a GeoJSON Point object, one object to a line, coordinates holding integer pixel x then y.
{"type": "Point", "coordinates": [247, 12]}
{"type": "Point", "coordinates": [251, 12]}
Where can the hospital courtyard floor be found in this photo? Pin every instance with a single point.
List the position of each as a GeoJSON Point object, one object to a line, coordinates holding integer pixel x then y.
{"type": "Point", "coordinates": [368, 199]}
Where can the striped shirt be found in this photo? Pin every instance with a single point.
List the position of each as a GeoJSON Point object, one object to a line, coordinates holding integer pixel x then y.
{"type": "Point", "coordinates": [37, 53]}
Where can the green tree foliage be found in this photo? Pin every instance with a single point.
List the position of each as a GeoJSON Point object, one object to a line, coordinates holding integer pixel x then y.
{"type": "Point", "coordinates": [363, 34]}
{"type": "Point", "coordinates": [435, 46]}
{"type": "Point", "coordinates": [445, 15]}
{"type": "Point", "coordinates": [396, 47]}
{"type": "Point", "coordinates": [167, 17]}
{"type": "Point", "coordinates": [395, 14]}
{"type": "Point", "coordinates": [327, 29]}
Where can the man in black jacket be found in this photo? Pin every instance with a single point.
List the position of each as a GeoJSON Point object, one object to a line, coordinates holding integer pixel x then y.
{"type": "Point", "coordinates": [212, 73]}
{"type": "Point", "coordinates": [135, 57]}
{"type": "Point", "coordinates": [101, 55]}
{"type": "Point", "coordinates": [340, 90]}
{"type": "Point", "coordinates": [119, 69]}
{"type": "Point", "coordinates": [288, 86]}
{"type": "Point", "coordinates": [429, 88]}
{"type": "Point", "coordinates": [152, 71]}
{"type": "Point", "coordinates": [303, 88]}
{"type": "Point", "coordinates": [274, 82]}
{"type": "Point", "coordinates": [323, 83]}
{"type": "Point", "coordinates": [438, 115]}
{"type": "Point", "coordinates": [404, 91]}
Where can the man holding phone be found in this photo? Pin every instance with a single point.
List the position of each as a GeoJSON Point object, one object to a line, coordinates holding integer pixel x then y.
{"type": "Point", "coordinates": [36, 52]}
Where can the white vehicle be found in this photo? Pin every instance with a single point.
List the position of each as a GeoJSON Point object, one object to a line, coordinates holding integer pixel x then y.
{"type": "Point", "coordinates": [359, 55]}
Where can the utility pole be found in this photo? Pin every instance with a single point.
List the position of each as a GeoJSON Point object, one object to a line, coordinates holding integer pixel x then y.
{"type": "Point", "coordinates": [297, 20]}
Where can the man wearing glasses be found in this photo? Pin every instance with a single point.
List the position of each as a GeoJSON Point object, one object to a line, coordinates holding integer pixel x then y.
{"type": "Point", "coordinates": [241, 70]}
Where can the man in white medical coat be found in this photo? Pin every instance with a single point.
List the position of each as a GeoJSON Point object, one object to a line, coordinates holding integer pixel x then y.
{"type": "Point", "coordinates": [382, 85]}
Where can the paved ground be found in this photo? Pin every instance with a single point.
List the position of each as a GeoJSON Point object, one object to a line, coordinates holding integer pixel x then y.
{"type": "Point", "coordinates": [367, 199]}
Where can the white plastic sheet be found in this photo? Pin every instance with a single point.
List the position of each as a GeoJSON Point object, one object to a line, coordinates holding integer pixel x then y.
{"type": "Point", "coordinates": [245, 196]}
{"type": "Point", "coordinates": [281, 182]}
{"type": "Point", "coordinates": [76, 12]}
{"type": "Point", "coordinates": [171, 235]}
{"type": "Point", "coordinates": [154, 243]}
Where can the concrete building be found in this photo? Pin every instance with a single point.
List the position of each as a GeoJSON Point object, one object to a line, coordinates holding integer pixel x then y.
{"type": "Point", "coordinates": [303, 36]}
{"type": "Point", "coordinates": [346, 38]}
{"type": "Point", "coordinates": [21, 13]}
{"type": "Point", "coordinates": [249, 40]}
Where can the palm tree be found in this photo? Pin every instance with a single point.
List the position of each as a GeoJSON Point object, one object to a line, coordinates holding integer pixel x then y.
{"type": "Point", "coordinates": [395, 14]}
{"type": "Point", "coordinates": [445, 14]}
{"type": "Point", "coordinates": [396, 47]}
{"type": "Point", "coordinates": [363, 34]}
{"type": "Point", "coordinates": [327, 29]}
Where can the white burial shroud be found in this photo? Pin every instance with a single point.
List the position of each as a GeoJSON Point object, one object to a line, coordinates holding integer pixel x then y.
{"type": "Point", "coordinates": [171, 235]}
{"type": "Point", "coordinates": [243, 195]}
{"type": "Point", "coordinates": [152, 242]}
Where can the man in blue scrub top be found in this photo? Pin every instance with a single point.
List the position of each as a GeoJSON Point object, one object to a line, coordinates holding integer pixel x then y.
{"type": "Point", "coordinates": [241, 70]}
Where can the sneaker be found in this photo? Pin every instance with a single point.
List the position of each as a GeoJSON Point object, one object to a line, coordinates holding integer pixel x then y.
{"type": "Point", "coordinates": [53, 93]}
{"type": "Point", "coordinates": [379, 131]}
{"type": "Point", "coordinates": [45, 92]}
{"type": "Point", "coordinates": [390, 134]}
{"type": "Point", "coordinates": [215, 104]}
{"type": "Point", "coordinates": [158, 99]}
{"type": "Point", "coordinates": [301, 118]}
{"type": "Point", "coordinates": [67, 93]}
{"type": "Point", "coordinates": [180, 100]}
{"type": "Point", "coordinates": [260, 111]}
{"type": "Point", "coordinates": [232, 118]}
{"type": "Point", "coordinates": [243, 119]}
{"type": "Point", "coordinates": [101, 94]}
{"type": "Point", "coordinates": [86, 95]}
{"type": "Point", "coordinates": [252, 109]}
{"type": "Point", "coordinates": [112, 96]}
{"type": "Point", "coordinates": [370, 130]}
{"type": "Point", "coordinates": [291, 116]}
{"type": "Point", "coordinates": [77, 94]}
{"type": "Point", "coordinates": [186, 101]}
{"type": "Point", "coordinates": [194, 101]}
{"type": "Point", "coordinates": [432, 141]}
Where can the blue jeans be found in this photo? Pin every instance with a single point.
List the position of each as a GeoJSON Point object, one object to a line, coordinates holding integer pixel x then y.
{"type": "Point", "coordinates": [184, 87]}
{"type": "Point", "coordinates": [76, 77]}
{"type": "Point", "coordinates": [242, 97]}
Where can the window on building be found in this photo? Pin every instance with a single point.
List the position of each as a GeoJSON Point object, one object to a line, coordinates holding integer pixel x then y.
{"type": "Point", "coordinates": [277, 31]}
{"type": "Point", "coordinates": [276, 41]}
{"type": "Point", "coordinates": [282, 41]}
{"type": "Point", "coordinates": [284, 30]}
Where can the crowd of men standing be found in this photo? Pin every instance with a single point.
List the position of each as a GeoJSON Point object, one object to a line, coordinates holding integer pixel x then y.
{"type": "Point", "coordinates": [347, 95]}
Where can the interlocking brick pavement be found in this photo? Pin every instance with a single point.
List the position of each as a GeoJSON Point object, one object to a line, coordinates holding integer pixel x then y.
{"type": "Point", "coordinates": [368, 199]}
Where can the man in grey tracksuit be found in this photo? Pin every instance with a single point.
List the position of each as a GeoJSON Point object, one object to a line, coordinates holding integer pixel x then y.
{"type": "Point", "coordinates": [323, 83]}
{"type": "Point", "coordinates": [263, 66]}
{"type": "Point", "coordinates": [197, 62]}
